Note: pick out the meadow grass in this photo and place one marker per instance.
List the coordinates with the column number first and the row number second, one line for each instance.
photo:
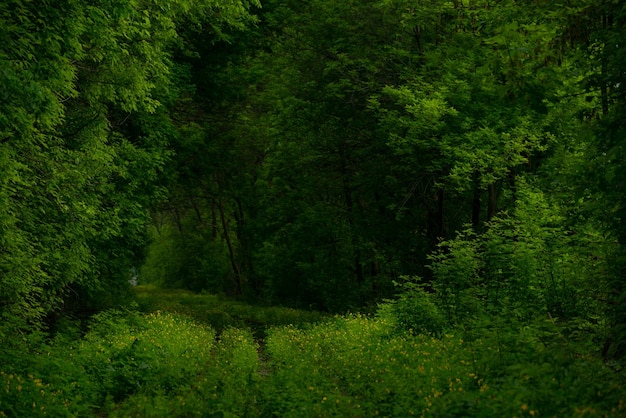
column 170, row 357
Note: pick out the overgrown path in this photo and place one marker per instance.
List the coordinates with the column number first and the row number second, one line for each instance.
column 221, row 313
column 188, row 355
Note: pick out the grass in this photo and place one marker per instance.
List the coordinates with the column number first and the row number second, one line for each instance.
column 219, row 312
column 176, row 353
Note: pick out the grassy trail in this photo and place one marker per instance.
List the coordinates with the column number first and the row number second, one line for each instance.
column 221, row 313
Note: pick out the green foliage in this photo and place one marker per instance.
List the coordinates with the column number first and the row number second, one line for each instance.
column 222, row 386
column 353, row 367
column 456, row 268
column 122, row 354
column 162, row 364
column 187, row 259
column 85, row 121
column 30, row 396
column 600, row 180
column 151, row 354
column 414, row 310
column 237, row 366
column 329, row 153
column 311, row 161
column 527, row 264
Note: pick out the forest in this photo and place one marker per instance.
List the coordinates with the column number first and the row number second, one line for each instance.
column 312, row 208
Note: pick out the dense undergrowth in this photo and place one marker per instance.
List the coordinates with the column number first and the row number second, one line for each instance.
column 174, row 353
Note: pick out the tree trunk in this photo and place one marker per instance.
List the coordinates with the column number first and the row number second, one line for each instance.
column 436, row 219
column 196, row 209
column 476, row 207
column 213, row 220
column 491, row 207
column 244, row 246
column 347, row 192
column 231, row 251
column 178, row 221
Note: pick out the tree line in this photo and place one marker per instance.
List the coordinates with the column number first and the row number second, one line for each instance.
column 314, row 153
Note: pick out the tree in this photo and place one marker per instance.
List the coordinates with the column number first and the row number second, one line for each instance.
column 83, row 132
column 605, row 88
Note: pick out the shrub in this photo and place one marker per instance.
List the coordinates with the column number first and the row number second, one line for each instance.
column 414, row 311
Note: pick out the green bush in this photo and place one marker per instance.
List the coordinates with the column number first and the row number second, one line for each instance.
column 414, row 311
column 41, row 377
column 226, row 386
column 529, row 263
column 456, row 267
column 29, row 396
